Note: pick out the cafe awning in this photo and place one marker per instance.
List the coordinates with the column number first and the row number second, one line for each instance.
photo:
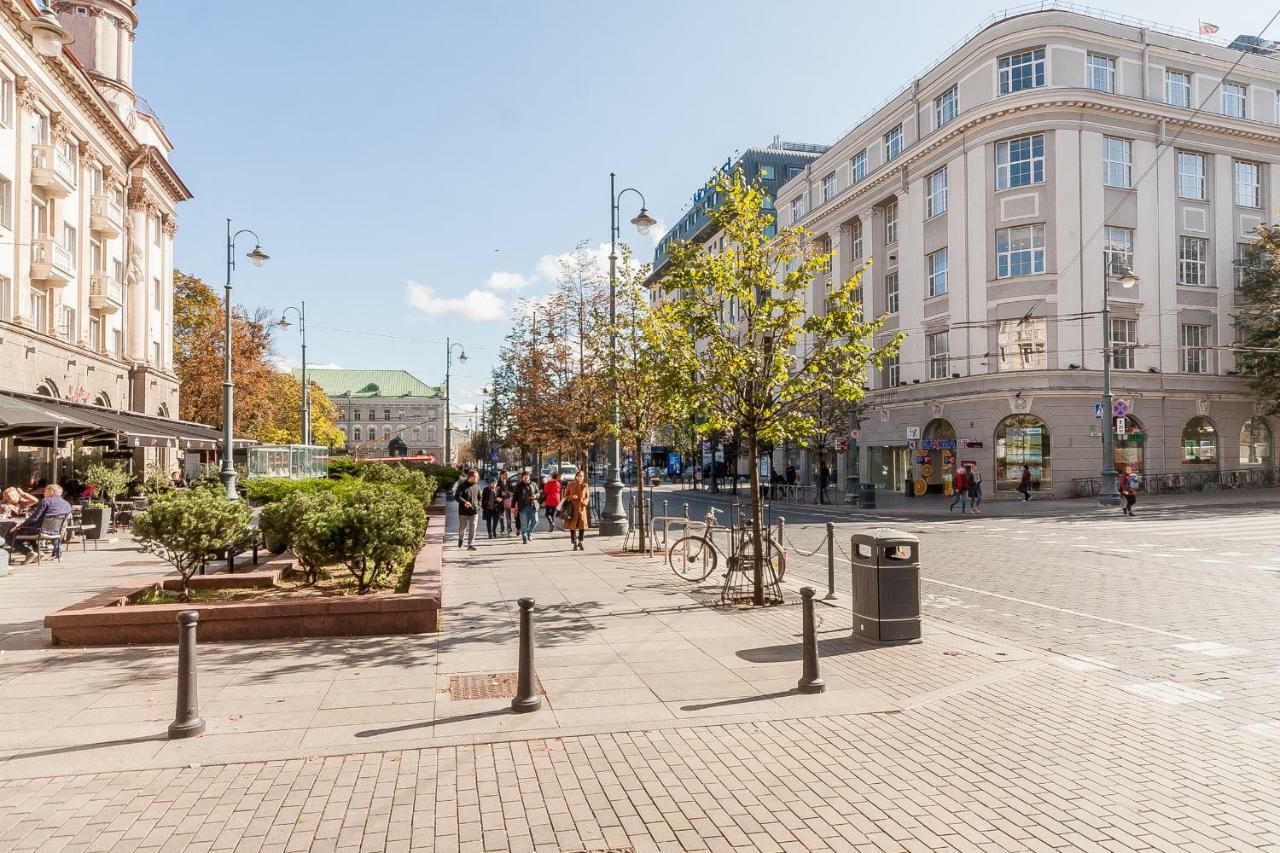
column 101, row 427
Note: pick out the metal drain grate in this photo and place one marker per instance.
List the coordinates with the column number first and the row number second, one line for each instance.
column 490, row 685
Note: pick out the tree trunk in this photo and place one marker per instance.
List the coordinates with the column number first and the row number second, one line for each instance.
column 757, row 541
column 640, row 507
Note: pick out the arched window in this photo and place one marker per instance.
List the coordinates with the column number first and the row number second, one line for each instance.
column 939, row 447
column 431, row 434
column 373, row 415
column 1200, row 443
column 386, row 432
column 357, row 433
column 1255, row 443
column 48, row 388
column 1023, row 440
column 163, row 411
column 102, row 400
column 355, row 415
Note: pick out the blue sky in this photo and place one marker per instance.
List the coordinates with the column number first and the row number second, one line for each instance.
column 394, row 156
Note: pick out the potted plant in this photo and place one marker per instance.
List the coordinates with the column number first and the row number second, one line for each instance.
column 108, row 484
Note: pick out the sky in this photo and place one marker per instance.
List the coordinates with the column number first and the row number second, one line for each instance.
column 412, row 168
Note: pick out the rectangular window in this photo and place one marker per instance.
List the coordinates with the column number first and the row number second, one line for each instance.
column 1022, row 344
column 6, row 298
column 1117, row 249
column 945, row 107
column 117, row 267
column 70, row 243
column 1100, row 73
column 1117, row 162
column 1177, row 88
column 1191, row 173
column 939, row 360
column 829, row 187
column 157, row 295
column 6, row 101
column 936, row 267
column 797, row 210
column 893, row 143
column 891, row 292
column 1234, row 100
column 857, row 238
column 891, row 222
column 39, row 218
column 1020, row 162
column 66, row 322
column 1195, row 348
column 859, row 165
column 1238, row 262
column 155, row 353
column 6, row 203
column 95, row 333
column 935, row 201
column 39, row 310
column 97, row 258
column 155, row 230
column 117, row 342
column 1193, row 261
column 1020, row 251
column 892, row 371
column 1124, row 342
column 1248, row 180
column 793, row 172
column 768, row 173
column 1020, row 71
column 386, row 414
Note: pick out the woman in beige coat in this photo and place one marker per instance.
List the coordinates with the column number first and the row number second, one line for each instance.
column 576, row 496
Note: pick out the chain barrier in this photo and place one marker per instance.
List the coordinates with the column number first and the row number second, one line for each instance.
column 802, row 553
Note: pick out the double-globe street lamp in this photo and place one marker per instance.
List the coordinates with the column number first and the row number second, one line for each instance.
column 283, row 325
column 613, row 521
column 449, row 344
column 1113, row 265
column 258, row 257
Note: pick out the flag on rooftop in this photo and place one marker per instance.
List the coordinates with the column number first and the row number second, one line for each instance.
column 1207, row 29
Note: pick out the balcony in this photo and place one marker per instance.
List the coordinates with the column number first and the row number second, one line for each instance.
column 53, row 170
column 51, row 263
column 105, row 293
column 106, row 217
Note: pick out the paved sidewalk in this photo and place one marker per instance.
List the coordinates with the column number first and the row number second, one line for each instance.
column 668, row 725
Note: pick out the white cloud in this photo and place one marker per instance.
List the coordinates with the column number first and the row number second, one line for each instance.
column 549, row 267
column 507, row 282
column 478, row 305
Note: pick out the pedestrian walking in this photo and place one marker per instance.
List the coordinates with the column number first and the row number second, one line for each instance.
column 824, row 482
column 975, row 487
column 551, row 499
column 1024, row 484
column 959, row 490
column 1129, row 489
column 467, row 494
column 505, row 486
column 491, row 507
column 576, row 497
column 525, row 496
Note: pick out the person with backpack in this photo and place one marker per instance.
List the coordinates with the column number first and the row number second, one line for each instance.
column 551, row 499
column 467, row 494
column 974, row 480
column 1129, row 489
column 960, row 490
column 525, row 496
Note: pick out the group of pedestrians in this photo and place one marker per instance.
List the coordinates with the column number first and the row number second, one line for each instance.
column 967, row 488
column 508, row 505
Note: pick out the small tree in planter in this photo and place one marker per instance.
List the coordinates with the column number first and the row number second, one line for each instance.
column 298, row 522
column 108, row 481
column 188, row 527
column 371, row 531
column 156, row 482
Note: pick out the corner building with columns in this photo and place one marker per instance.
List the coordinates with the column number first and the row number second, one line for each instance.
column 87, row 224
column 990, row 193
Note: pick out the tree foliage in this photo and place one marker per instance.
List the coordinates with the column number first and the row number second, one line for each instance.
column 186, row 527
column 1258, row 318
column 109, row 481
column 744, row 349
column 373, row 531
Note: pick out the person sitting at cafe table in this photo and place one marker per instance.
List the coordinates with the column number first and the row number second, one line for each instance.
column 14, row 502
column 53, row 506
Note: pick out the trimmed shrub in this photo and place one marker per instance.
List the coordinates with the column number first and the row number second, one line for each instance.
column 374, row 531
column 188, row 526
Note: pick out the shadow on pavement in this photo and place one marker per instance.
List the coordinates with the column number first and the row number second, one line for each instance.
column 408, row 727
column 792, row 651
column 742, row 700
column 60, row 750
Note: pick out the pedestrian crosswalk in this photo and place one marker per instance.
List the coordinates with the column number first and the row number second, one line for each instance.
column 1238, row 533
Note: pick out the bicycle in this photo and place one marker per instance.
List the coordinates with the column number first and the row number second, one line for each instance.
column 694, row 556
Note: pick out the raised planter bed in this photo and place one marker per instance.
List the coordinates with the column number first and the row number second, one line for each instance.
column 106, row 620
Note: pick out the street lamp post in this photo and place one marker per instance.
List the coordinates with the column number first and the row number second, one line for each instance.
column 448, row 367
column 613, row 521
column 258, row 257
column 305, row 423
column 1108, row 494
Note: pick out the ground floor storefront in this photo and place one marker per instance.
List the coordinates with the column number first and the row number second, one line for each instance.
column 1053, row 437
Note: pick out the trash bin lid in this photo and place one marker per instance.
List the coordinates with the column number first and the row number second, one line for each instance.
column 893, row 536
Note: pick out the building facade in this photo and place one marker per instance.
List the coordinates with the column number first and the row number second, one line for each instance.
column 992, row 191
column 378, row 407
column 87, row 218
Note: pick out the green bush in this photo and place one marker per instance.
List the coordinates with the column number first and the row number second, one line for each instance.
column 188, row 526
column 374, row 531
column 109, row 482
column 156, row 481
column 288, row 522
column 344, row 466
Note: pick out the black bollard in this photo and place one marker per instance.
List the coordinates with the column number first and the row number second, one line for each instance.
column 831, row 561
column 811, row 681
column 527, row 698
column 188, row 722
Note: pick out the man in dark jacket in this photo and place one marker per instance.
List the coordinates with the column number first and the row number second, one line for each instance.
column 53, row 506
column 467, row 494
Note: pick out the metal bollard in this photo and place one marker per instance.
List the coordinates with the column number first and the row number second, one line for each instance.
column 188, row 722
column 527, row 698
column 810, row 681
column 782, row 529
column 664, row 507
column 831, row 560
column 686, row 515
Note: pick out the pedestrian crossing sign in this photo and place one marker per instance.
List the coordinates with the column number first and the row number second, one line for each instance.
column 1097, row 411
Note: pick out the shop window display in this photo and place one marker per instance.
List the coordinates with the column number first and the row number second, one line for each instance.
column 1255, row 444
column 1023, row 440
column 1200, row 443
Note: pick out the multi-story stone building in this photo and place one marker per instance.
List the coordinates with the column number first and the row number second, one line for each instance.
column 87, row 199
column 379, row 407
column 990, row 191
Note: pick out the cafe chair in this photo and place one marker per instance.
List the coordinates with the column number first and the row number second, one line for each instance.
column 52, row 529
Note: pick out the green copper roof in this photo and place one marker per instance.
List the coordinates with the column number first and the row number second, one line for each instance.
column 368, row 383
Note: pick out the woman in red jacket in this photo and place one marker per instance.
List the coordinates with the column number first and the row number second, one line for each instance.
column 551, row 499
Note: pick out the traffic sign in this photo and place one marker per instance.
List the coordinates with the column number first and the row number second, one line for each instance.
column 855, row 434
column 1097, row 411
column 1120, row 408
column 1120, row 426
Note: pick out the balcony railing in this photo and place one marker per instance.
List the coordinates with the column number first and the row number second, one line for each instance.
column 105, row 293
column 106, row 216
column 51, row 261
column 52, row 169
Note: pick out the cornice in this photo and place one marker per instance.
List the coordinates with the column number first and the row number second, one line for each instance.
column 899, row 173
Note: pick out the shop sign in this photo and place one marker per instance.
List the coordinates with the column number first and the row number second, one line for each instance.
column 842, row 444
column 913, row 433
column 972, row 444
column 920, row 460
column 913, row 444
column 972, row 462
column 939, row 444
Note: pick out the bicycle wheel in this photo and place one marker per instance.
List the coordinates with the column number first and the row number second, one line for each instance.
column 692, row 558
column 774, row 558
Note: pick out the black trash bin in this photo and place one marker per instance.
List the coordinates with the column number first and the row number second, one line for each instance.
column 909, row 487
column 886, row 586
column 867, row 496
